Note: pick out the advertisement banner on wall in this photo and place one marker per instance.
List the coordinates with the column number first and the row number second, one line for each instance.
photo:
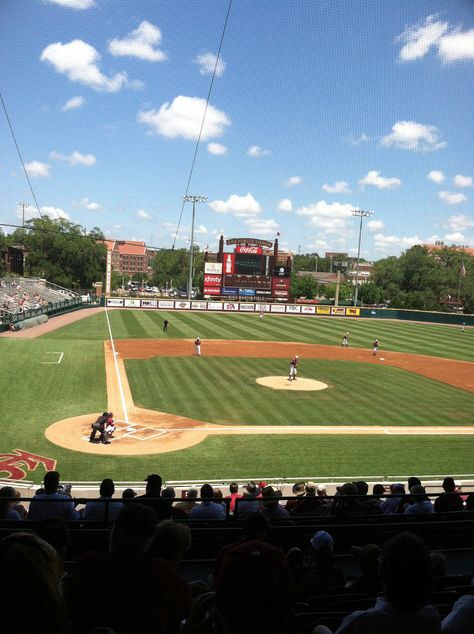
column 280, row 294
column 338, row 310
column 308, row 310
column 182, row 305
column 291, row 308
column 323, row 310
column 215, row 306
column 198, row 305
column 165, row 303
column 114, row 302
column 230, row 290
column 278, row 308
column 263, row 291
column 211, row 290
column 229, row 263
column 281, row 284
column 247, row 292
column 249, row 308
column 230, row 306
column 132, row 303
column 212, row 280
column 282, row 271
column 249, row 250
column 213, row 268
column 262, row 308
column 149, row 303
column 353, row 312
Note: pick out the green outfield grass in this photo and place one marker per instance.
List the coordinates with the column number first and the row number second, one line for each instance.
column 34, row 394
column 223, row 390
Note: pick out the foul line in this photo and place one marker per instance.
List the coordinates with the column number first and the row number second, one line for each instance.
column 122, row 395
column 61, row 355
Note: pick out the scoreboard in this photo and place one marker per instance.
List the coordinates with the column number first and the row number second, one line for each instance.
column 248, row 264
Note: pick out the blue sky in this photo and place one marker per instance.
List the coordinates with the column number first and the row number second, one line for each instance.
column 317, row 107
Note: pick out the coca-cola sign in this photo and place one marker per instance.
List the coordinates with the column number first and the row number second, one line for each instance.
column 249, row 250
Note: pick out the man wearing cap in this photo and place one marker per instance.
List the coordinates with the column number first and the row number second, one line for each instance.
column 152, row 497
column 393, row 502
column 298, row 490
column 346, row 501
column 197, row 345
column 310, row 503
column 293, row 370
column 319, row 571
column 421, row 502
column 249, row 503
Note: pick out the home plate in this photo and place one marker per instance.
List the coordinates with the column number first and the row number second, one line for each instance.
column 282, row 383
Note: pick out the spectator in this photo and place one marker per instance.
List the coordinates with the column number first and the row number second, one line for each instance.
column 128, row 494
column 405, row 574
column 157, row 600
column 29, row 586
column 346, row 502
column 421, row 503
column 298, row 490
column 393, row 503
column 470, row 502
column 208, row 510
column 449, row 500
column 368, row 503
column 321, row 490
column 103, row 509
column 54, row 530
column 51, row 503
column 368, row 559
column 189, row 502
column 7, row 512
column 234, row 494
column 176, row 513
column 250, row 502
column 271, row 507
column 461, row 618
column 258, row 572
column 152, row 497
column 171, row 541
column 439, row 564
column 310, row 503
column 318, row 572
column 19, row 507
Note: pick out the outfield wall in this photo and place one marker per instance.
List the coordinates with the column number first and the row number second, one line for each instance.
column 290, row 309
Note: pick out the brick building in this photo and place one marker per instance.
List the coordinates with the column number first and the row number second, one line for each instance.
column 130, row 256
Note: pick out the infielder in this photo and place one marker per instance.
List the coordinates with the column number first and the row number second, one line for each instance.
column 197, row 345
column 293, row 370
column 375, row 347
column 345, row 340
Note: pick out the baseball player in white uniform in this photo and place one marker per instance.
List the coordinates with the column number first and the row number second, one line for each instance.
column 197, row 345
column 293, row 370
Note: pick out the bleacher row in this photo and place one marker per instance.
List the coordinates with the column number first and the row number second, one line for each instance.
column 22, row 295
column 250, row 570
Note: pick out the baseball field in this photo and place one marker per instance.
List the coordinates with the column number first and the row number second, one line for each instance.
column 231, row 413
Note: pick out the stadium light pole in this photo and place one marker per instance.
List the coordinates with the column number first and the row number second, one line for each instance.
column 192, row 199
column 359, row 213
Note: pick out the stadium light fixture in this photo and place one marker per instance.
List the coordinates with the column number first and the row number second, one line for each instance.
column 359, row 213
column 192, row 199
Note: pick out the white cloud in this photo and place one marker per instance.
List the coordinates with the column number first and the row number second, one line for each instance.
column 394, row 243
column 201, row 230
column 455, row 238
column 436, row 176
column 55, row 213
column 207, row 63
column 183, row 118
column 285, row 205
column 143, row 215
column 381, row 182
column 330, row 217
column 375, row 225
column 85, row 203
column 73, row 103
column 75, row 158
column 452, row 198
column 457, row 46
column 460, row 223
column 362, row 138
column 239, row 206
column 293, row 181
column 256, row 151
column 420, row 38
column 36, row 169
column 217, row 148
column 339, row 187
column 74, row 4
column 80, row 62
column 409, row 135
column 139, row 43
column 260, row 227
column 463, row 181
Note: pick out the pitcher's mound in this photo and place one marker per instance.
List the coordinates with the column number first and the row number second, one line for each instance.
column 282, row 383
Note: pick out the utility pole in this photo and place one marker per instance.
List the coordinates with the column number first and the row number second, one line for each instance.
column 194, row 200
column 23, row 206
column 359, row 213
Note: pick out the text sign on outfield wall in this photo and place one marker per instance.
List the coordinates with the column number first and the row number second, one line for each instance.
column 212, row 280
column 353, row 312
column 149, row 303
column 291, row 308
column 165, row 303
column 308, row 310
column 114, row 302
column 231, row 306
column 212, row 290
column 199, row 305
column 213, row 268
column 338, row 310
column 249, row 308
column 278, row 308
column 256, row 241
column 249, row 250
column 132, row 303
column 227, row 290
column 247, row 292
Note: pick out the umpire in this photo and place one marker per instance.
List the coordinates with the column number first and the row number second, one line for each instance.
column 99, row 426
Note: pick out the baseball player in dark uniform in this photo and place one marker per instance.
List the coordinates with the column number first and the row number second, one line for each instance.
column 293, row 370
column 375, row 347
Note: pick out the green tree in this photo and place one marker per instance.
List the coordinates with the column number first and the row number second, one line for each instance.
column 303, row 286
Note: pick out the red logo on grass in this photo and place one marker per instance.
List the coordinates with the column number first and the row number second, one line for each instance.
column 18, row 462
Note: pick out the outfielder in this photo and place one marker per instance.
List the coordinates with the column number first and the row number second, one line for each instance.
column 197, row 345
column 375, row 347
column 293, row 370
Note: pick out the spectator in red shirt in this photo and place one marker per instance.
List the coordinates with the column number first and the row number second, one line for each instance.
column 234, row 494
